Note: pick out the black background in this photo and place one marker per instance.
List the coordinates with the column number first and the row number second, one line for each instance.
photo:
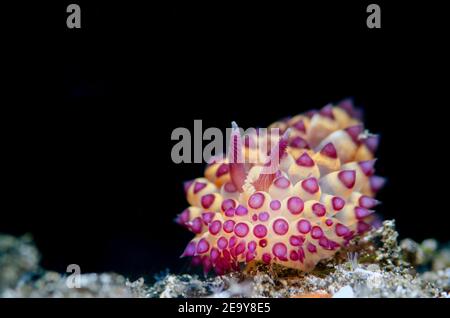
column 86, row 132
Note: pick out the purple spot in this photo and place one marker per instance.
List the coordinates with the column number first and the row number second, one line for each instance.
column 295, row 205
column 227, row 204
column 282, row 183
column 198, row 186
column 295, row 240
column 230, row 212
column 299, row 142
column 264, row 216
column 275, row 205
column 208, row 217
column 190, row 249
column 260, row 231
column 222, row 243
column 256, row 200
column 266, row 258
column 196, row 225
column 338, row 203
column 241, row 210
column 362, row 213
column 280, row 251
column 305, row 161
column 303, row 226
column 311, row 248
column 252, row 246
column 280, row 226
column 341, row 230
column 310, row 185
column 319, row 209
column 223, row 169
column 228, row 226
column 329, row 151
column 207, row 200
column 202, row 246
column 215, row 227
column 241, row 229
column 348, row 178
column 316, row 232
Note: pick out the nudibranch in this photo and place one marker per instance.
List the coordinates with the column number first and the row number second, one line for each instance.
column 318, row 196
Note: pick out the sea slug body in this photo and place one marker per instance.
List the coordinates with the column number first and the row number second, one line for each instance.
column 320, row 195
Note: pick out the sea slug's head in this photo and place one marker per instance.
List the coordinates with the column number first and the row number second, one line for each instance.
column 292, row 198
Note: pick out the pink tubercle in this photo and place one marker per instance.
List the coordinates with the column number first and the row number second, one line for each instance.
column 338, row 203
column 329, row 222
column 230, row 187
column 215, row 227
column 190, row 249
column 230, row 212
column 222, row 243
column 264, row 216
column 183, row 217
column 266, row 258
column 347, row 178
column 223, row 169
column 299, row 142
column 207, row 200
column 372, row 142
column 214, row 254
column 361, row 213
column 232, row 241
column 187, row 185
column 254, row 217
column 327, row 111
column 354, row 132
column 240, row 248
column 280, row 250
column 316, row 232
column 319, row 209
column 241, row 210
column 202, row 246
column 252, row 246
column 228, row 226
column 295, row 205
column 196, row 225
column 329, row 151
column 296, row 240
column 341, row 230
column 304, row 226
column 280, row 226
column 363, row 227
column 376, row 183
column 260, row 231
column 367, row 167
column 241, row 229
column 208, row 217
column 301, row 254
column 249, row 256
column 275, row 205
column 311, row 248
column 300, row 126
column 256, row 200
column 310, row 185
column 367, row 202
column 305, row 161
column 282, row 183
column 198, row 186
column 293, row 255
column 227, row 204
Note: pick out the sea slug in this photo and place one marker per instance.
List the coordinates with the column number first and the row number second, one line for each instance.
column 319, row 196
